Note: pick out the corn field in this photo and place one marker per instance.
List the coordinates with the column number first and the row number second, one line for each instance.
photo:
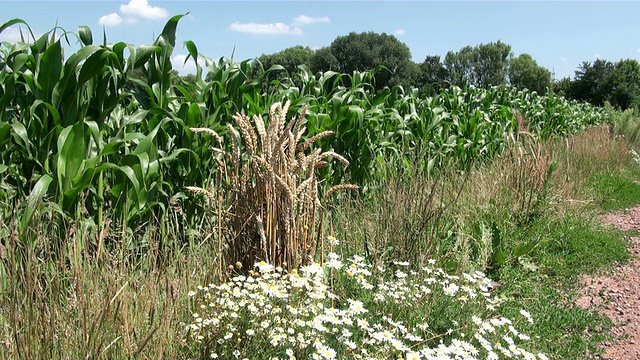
column 103, row 134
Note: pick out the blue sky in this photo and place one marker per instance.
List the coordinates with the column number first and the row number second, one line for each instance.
column 559, row 35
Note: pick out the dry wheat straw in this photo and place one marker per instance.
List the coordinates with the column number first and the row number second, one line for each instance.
column 207, row 131
column 272, row 208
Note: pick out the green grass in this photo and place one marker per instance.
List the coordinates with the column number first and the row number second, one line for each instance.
column 569, row 246
column 619, row 191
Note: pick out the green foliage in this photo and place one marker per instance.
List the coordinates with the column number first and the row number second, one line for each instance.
column 289, row 59
column 94, row 132
column 525, row 73
column 626, row 84
column 460, row 66
column 491, row 63
column 367, row 51
column 484, row 65
column 324, row 60
column 561, row 87
column 603, row 81
column 627, row 124
column 592, row 82
column 551, row 114
column 95, row 152
column 432, row 74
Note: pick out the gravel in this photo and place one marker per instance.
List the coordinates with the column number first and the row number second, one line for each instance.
column 617, row 295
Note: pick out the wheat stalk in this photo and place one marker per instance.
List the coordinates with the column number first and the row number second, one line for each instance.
column 273, row 211
column 207, row 131
column 341, row 187
column 303, row 146
column 200, row 190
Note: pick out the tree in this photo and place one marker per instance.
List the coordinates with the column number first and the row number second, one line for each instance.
column 484, row 65
column 603, row 81
column 432, row 73
column 460, row 66
column 190, row 79
column 492, row 63
column 562, row 87
column 366, row 51
column 625, row 84
column 525, row 73
column 592, row 82
column 323, row 60
column 289, row 58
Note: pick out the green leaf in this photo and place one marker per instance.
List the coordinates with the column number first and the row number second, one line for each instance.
column 40, row 45
column 118, row 50
column 68, row 84
column 50, row 69
column 71, row 153
column 93, row 66
column 499, row 258
column 52, row 110
column 33, row 201
column 5, row 129
column 193, row 51
column 126, row 170
column 142, row 54
column 112, row 147
column 16, row 21
column 85, row 35
column 194, row 114
column 18, row 62
column 20, row 135
column 169, row 31
column 525, row 248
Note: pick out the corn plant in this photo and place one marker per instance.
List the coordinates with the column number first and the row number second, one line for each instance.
column 72, row 130
column 108, row 126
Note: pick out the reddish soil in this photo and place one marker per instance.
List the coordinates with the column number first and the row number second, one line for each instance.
column 617, row 295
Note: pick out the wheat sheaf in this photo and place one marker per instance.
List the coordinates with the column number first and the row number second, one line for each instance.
column 267, row 192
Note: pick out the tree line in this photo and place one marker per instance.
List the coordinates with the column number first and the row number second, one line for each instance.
column 483, row 65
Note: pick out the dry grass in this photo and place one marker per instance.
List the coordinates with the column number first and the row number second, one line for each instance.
column 583, row 156
column 450, row 216
column 67, row 304
column 556, row 171
column 268, row 201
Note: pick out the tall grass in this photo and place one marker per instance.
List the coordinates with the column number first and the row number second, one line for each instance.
column 100, row 240
column 465, row 219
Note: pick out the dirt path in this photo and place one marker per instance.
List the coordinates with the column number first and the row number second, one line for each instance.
column 618, row 295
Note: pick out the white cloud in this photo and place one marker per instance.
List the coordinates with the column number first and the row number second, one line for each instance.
column 112, row 19
column 399, row 32
column 268, row 29
column 142, row 9
column 132, row 12
column 638, row 51
column 563, row 58
column 306, row 20
column 177, row 62
column 12, row 35
column 597, row 56
column 278, row 28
